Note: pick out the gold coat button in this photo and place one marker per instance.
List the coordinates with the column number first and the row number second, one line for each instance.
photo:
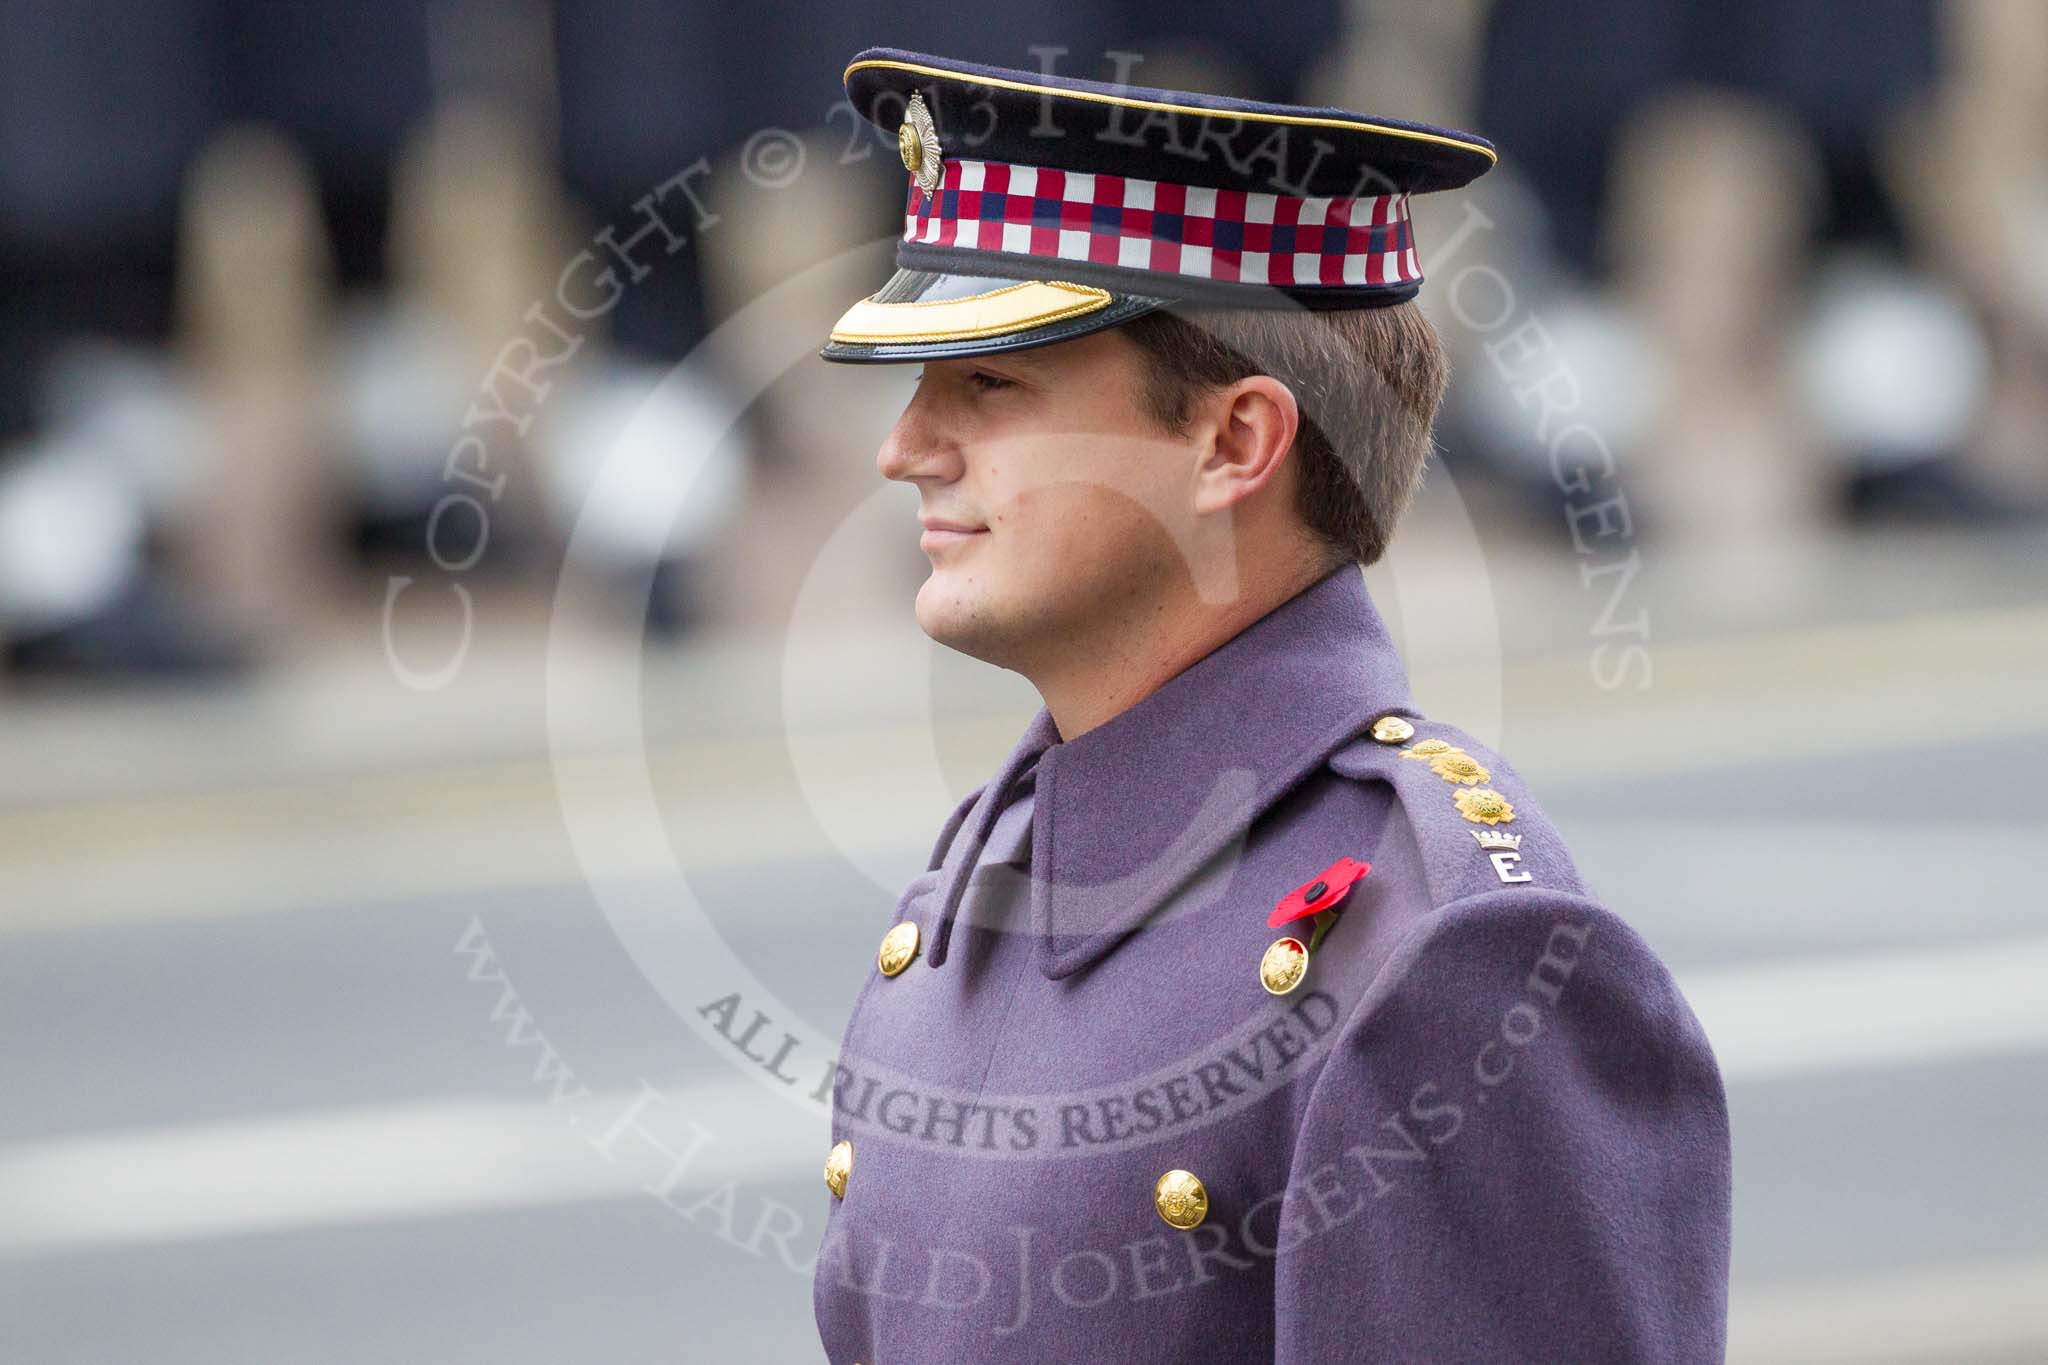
column 1284, row 965
column 1392, row 730
column 838, row 1165
column 1181, row 1199
column 899, row 946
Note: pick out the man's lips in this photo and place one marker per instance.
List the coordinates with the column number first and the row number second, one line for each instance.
column 938, row 531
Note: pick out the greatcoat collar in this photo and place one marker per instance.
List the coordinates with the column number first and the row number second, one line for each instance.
column 1127, row 813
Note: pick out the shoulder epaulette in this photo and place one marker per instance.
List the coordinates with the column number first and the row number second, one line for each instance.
column 1475, row 823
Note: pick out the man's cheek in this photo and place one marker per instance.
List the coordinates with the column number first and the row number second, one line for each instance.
column 1020, row 507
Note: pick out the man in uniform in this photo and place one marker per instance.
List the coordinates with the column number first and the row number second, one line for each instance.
column 1246, row 1013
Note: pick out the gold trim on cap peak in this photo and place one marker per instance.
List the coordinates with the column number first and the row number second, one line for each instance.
column 997, row 312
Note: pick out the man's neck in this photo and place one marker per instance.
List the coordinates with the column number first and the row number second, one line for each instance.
column 1093, row 684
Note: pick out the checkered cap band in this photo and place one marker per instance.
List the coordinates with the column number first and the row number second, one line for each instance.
column 1186, row 230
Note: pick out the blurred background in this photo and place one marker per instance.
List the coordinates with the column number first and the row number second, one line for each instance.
column 414, row 466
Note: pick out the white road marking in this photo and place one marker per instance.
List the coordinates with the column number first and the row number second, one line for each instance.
column 417, row 1160
column 1899, row 1007
column 1769, row 1022
column 1934, row 1316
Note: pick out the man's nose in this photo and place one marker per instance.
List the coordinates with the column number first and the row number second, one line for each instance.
column 917, row 447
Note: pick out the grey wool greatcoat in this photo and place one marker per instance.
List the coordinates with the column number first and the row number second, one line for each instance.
column 1078, row 1123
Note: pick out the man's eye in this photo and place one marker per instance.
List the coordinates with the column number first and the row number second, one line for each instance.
column 986, row 382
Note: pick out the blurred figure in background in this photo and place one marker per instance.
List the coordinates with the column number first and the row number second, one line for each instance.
column 90, row 187
column 1734, row 252
column 171, row 272
column 251, row 301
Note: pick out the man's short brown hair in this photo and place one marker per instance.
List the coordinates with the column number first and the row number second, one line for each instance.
column 1368, row 381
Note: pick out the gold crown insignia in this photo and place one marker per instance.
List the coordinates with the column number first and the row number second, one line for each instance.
column 1496, row 838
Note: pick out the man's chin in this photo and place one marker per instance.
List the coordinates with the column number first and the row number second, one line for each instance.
column 944, row 605
column 958, row 615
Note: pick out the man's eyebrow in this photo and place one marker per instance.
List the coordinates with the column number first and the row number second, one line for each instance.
column 1027, row 359
column 1023, row 363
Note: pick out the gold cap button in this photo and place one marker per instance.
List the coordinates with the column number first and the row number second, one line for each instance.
column 908, row 147
column 1284, row 965
column 1181, row 1200
column 1392, row 730
column 838, row 1165
column 899, row 946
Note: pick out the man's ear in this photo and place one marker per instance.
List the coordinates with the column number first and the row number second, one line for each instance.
column 1254, row 420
